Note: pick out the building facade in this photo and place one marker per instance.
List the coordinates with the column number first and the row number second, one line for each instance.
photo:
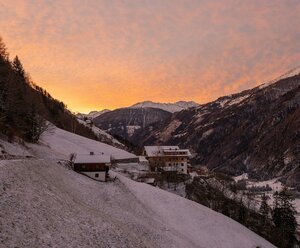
column 167, row 158
column 95, row 166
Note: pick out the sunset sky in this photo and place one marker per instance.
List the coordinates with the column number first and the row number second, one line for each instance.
column 95, row 54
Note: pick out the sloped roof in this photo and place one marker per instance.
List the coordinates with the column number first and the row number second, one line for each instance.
column 154, row 151
column 91, row 159
column 142, row 159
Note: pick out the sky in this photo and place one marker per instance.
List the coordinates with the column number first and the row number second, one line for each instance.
column 96, row 54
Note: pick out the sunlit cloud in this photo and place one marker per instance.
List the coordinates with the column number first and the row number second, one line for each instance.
column 107, row 54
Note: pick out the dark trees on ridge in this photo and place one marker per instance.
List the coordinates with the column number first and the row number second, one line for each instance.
column 25, row 107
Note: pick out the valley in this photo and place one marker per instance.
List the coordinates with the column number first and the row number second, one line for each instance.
column 47, row 204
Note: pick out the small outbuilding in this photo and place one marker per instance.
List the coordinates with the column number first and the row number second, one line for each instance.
column 95, row 166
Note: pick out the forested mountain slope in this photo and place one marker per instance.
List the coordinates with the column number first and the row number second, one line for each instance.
column 256, row 131
column 25, row 107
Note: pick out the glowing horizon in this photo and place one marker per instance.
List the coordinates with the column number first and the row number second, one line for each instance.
column 111, row 54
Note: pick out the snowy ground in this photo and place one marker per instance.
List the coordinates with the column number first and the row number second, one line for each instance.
column 99, row 132
column 275, row 184
column 132, row 170
column 44, row 204
column 57, row 143
column 178, row 189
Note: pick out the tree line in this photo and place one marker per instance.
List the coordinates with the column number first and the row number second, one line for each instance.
column 276, row 223
column 25, row 107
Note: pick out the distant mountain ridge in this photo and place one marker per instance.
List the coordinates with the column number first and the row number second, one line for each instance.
column 125, row 122
column 91, row 115
column 170, row 107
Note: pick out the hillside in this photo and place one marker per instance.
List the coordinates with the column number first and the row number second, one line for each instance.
column 256, row 131
column 126, row 122
column 25, row 107
column 58, row 144
column 45, row 204
column 102, row 136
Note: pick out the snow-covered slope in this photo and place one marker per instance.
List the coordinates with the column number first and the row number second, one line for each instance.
column 46, row 205
column 170, row 107
column 290, row 73
column 58, row 143
column 102, row 135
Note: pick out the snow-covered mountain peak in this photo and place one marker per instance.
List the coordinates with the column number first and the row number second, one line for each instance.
column 170, row 107
column 92, row 114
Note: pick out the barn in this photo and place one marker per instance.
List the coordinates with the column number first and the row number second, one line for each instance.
column 95, row 166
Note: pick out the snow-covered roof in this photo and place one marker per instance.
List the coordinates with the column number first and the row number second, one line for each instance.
column 142, row 159
column 149, row 180
column 154, row 151
column 91, row 159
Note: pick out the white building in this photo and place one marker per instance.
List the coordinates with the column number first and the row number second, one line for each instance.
column 167, row 158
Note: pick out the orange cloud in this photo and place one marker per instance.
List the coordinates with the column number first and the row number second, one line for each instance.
column 108, row 54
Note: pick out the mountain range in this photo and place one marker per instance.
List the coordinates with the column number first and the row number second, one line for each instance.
column 125, row 122
column 91, row 115
column 256, row 131
column 169, row 107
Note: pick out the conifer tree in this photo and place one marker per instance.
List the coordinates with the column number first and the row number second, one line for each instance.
column 3, row 51
column 264, row 209
column 36, row 125
column 18, row 68
column 284, row 215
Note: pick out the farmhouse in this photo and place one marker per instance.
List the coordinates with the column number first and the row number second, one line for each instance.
column 95, row 166
column 167, row 158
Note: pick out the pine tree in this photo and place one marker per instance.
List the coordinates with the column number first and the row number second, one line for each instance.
column 36, row 125
column 264, row 209
column 284, row 215
column 242, row 213
column 3, row 51
column 18, row 68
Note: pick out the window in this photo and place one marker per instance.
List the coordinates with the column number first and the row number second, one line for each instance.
column 97, row 175
column 181, row 169
column 182, row 164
